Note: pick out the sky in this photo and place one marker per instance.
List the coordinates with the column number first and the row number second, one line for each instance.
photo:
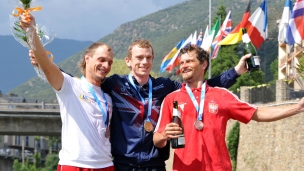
column 84, row 19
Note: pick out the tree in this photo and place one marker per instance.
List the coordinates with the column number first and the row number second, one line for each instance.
column 300, row 66
column 274, row 70
column 17, row 166
column 233, row 143
column 51, row 162
column 221, row 12
column 53, row 141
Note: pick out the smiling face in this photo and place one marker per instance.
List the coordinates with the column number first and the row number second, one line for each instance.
column 193, row 64
column 98, row 64
column 190, row 67
column 140, row 62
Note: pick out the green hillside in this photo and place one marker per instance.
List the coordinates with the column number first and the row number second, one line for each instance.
column 165, row 29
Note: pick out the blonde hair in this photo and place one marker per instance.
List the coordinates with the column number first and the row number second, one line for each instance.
column 142, row 43
column 91, row 51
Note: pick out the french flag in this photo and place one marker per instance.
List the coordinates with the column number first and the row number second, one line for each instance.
column 223, row 32
column 295, row 31
column 257, row 25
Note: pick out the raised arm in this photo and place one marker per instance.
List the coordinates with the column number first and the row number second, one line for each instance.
column 51, row 71
column 34, row 62
column 228, row 78
column 269, row 114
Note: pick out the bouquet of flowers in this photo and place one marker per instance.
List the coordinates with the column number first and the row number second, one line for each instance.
column 25, row 37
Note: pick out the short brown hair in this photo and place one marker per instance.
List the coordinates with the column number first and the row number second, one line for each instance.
column 142, row 43
column 90, row 51
column 201, row 54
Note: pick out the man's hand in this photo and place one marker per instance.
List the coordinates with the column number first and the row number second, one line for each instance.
column 26, row 20
column 172, row 130
column 241, row 68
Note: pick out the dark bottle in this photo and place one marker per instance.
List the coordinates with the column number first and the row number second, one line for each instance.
column 180, row 141
column 252, row 63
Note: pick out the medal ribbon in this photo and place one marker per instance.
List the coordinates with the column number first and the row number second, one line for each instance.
column 141, row 98
column 200, row 108
column 104, row 114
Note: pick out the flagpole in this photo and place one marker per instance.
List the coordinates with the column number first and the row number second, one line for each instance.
column 209, row 73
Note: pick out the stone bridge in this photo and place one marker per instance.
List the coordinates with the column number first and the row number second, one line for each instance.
column 27, row 120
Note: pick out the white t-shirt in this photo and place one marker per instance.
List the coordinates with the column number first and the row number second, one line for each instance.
column 83, row 129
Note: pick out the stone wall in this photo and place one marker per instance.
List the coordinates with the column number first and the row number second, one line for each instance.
column 271, row 146
column 259, row 94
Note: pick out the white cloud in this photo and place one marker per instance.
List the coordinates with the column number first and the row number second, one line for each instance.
column 85, row 19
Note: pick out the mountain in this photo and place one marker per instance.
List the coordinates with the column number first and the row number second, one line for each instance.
column 15, row 67
column 167, row 27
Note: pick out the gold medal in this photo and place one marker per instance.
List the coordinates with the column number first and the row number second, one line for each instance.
column 198, row 125
column 107, row 134
column 148, row 126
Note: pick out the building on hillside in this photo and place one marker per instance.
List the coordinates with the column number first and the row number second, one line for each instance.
column 12, row 147
column 288, row 60
column 287, row 63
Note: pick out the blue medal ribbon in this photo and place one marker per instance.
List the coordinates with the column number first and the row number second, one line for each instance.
column 200, row 108
column 105, row 114
column 142, row 99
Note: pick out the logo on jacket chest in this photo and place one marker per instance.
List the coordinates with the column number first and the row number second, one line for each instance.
column 125, row 90
column 85, row 98
column 213, row 107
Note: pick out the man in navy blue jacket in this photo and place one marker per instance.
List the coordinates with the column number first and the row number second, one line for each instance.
column 136, row 99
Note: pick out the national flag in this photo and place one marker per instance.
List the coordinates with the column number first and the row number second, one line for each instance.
column 223, row 32
column 236, row 34
column 174, row 60
column 257, row 25
column 208, row 41
column 200, row 38
column 284, row 21
column 168, row 57
column 206, row 33
column 194, row 38
column 295, row 31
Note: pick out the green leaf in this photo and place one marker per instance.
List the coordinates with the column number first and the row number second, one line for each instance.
column 26, row 3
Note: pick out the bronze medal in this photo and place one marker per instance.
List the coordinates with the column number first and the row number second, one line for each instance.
column 198, row 125
column 107, row 134
column 148, row 126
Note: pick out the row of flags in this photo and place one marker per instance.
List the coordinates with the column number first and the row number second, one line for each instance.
column 291, row 28
column 256, row 26
column 291, row 31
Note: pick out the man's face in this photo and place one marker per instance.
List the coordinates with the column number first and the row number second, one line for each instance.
column 99, row 64
column 190, row 67
column 141, row 61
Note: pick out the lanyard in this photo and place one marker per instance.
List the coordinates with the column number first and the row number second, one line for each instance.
column 200, row 108
column 141, row 98
column 104, row 114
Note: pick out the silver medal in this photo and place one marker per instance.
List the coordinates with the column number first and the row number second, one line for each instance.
column 198, row 125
